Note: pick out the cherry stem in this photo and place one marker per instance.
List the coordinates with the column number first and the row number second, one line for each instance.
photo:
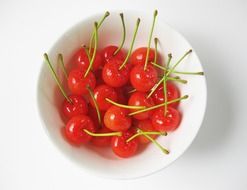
column 179, row 61
column 56, row 77
column 147, row 133
column 132, row 44
column 177, row 80
column 95, row 49
column 61, row 61
column 124, row 106
column 177, row 72
column 163, row 149
column 124, row 35
column 150, row 38
column 100, row 23
column 95, row 103
column 131, row 91
column 102, row 134
column 158, row 105
column 164, row 83
column 156, row 49
column 169, row 60
column 87, row 52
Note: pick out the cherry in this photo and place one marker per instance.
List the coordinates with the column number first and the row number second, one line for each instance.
column 117, row 119
column 74, row 129
column 140, row 99
column 81, row 59
column 172, row 93
column 122, row 148
column 77, row 83
column 168, row 122
column 138, row 57
column 113, row 76
column 77, row 106
column 145, row 125
column 143, row 80
column 122, row 95
column 103, row 140
column 108, row 54
column 101, row 93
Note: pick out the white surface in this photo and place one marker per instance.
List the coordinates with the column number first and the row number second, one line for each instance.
column 217, row 158
column 99, row 161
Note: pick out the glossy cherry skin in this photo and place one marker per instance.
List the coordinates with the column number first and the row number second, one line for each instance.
column 108, row 54
column 78, row 84
column 74, row 129
column 77, row 106
column 142, row 80
column 117, row 119
column 140, row 99
column 80, row 59
column 145, row 126
column 101, row 93
column 172, row 93
column 122, row 148
column 170, row 122
column 113, row 76
column 102, row 141
column 138, row 57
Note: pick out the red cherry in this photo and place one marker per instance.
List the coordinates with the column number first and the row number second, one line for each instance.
column 74, row 129
column 138, row 57
column 140, row 99
column 80, row 59
column 77, row 106
column 122, row 95
column 117, row 119
column 163, row 123
column 78, row 84
column 172, row 93
column 102, row 141
column 113, row 76
column 122, row 148
column 145, row 125
column 108, row 54
column 142, row 80
column 101, row 93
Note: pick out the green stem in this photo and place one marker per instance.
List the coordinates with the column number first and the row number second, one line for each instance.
column 177, row 80
column 102, row 134
column 95, row 103
column 100, row 23
column 169, row 60
column 147, row 133
column 164, row 150
column 156, row 49
column 61, row 61
column 95, row 49
column 132, row 44
column 87, row 52
column 124, row 35
column 158, row 106
column 56, row 77
column 124, row 106
column 150, row 38
column 179, row 61
column 131, row 91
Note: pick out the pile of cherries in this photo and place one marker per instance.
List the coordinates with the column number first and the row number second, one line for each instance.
column 119, row 99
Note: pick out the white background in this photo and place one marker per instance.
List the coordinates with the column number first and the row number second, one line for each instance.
column 217, row 159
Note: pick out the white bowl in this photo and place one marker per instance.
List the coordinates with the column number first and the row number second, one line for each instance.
column 104, row 163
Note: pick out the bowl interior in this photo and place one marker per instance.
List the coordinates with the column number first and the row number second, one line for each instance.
column 103, row 162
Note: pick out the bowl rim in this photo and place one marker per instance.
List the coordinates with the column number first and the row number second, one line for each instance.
column 95, row 172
